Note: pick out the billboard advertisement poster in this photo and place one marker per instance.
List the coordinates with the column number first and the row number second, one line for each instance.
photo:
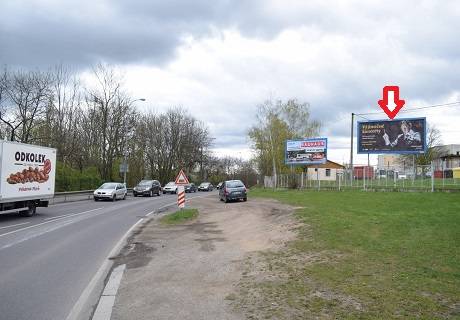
column 400, row 136
column 306, row 151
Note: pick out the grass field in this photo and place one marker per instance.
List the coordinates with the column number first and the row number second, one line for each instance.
column 366, row 255
column 179, row 216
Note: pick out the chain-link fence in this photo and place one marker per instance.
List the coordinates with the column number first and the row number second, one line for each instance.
column 420, row 178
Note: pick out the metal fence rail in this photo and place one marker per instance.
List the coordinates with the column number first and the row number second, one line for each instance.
column 68, row 196
column 420, row 178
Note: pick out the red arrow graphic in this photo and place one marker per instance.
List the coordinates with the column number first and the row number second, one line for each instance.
column 391, row 103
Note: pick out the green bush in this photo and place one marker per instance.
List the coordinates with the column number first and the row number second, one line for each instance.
column 69, row 179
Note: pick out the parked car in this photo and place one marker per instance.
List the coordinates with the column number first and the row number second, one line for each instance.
column 191, row 187
column 170, row 187
column 147, row 188
column 219, row 185
column 110, row 191
column 206, row 186
column 233, row 190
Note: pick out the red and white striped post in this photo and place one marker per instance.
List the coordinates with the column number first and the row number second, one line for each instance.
column 181, row 197
column 181, row 180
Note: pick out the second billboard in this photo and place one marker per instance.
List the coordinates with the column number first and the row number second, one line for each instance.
column 306, row 151
column 392, row 136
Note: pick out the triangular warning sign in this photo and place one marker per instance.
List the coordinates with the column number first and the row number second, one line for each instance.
column 181, row 178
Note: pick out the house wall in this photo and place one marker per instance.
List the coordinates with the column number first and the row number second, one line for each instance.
column 311, row 174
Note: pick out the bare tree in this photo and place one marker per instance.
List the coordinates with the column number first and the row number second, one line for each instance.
column 26, row 95
column 110, row 118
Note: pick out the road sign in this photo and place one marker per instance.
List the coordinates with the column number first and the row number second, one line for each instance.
column 181, row 197
column 181, row 179
column 124, row 167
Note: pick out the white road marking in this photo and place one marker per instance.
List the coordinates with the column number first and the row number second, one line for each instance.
column 40, row 224
column 14, row 225
column 68, row 215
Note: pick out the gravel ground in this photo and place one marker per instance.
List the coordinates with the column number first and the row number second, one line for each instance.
column 191, row 271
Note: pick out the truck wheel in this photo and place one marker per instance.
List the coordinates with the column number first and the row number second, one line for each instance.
column 31, row 210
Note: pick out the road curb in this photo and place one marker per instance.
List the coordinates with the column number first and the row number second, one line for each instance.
column 107, row 300
column 83, row 308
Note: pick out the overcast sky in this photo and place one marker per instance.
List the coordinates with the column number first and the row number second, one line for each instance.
column 222, row 58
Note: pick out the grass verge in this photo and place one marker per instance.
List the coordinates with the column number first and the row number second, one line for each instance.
column 361, row 255
column 179, row 216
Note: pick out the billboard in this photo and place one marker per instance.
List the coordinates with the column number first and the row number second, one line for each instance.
column 392, row 136
column 306, row 151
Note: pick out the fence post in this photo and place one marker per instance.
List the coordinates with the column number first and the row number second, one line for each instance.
column 317, row 177
column 443, row 170
column 432, row 177
column 364, row 179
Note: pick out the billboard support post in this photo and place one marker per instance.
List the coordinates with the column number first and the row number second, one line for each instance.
column 351, row 148
column 364, row 179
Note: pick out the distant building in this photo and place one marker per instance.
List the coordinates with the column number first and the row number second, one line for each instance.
column 388, row 162
column 449, row 157
column 324, row 172
column 363, row 172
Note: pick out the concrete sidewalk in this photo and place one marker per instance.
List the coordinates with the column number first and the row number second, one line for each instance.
column 190, row 271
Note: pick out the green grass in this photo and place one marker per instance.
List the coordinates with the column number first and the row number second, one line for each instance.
column 371, row 255
column 179, row 216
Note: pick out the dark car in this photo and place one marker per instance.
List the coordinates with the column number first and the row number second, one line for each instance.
column 206, row 186
column 191, row 187
column 147, row 188
column 233, row 190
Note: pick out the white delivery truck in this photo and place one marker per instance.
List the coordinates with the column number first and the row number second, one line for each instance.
column 27, row 174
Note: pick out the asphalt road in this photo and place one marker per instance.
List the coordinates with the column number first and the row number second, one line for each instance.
column 46, row 261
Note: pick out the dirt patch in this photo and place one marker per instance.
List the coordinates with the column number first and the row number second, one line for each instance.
column 193, row 271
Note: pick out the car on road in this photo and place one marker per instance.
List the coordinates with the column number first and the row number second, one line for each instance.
column 110, row 191
column 189, row 188
column 205, row 186
column 233, row 190
column 170, row 187
column 147, row 188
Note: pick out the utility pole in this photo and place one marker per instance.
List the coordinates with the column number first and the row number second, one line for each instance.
column 351, row 148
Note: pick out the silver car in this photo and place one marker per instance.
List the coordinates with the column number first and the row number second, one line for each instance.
column 170, row 187
column 110, row 191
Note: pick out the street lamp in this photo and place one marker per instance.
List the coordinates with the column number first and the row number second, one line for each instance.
column 125, row 154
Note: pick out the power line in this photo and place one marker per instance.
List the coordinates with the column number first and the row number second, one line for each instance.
column 451, row 104
column 358, row 115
